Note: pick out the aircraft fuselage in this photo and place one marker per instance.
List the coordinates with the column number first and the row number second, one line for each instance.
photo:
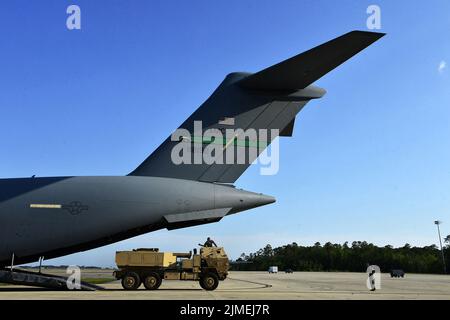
column 51, row 217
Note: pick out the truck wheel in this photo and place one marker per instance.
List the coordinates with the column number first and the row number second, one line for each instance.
column 131, row 281
column 209, row 281
column 152, row 281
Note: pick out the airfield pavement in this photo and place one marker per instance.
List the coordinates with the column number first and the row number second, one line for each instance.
column 256, row 286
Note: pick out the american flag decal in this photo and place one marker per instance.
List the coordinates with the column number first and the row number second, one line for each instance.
column 227, row 121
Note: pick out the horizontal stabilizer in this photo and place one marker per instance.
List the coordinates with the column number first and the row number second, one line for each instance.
column 302, row 70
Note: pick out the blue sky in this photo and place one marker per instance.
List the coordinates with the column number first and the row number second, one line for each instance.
column 370, row 161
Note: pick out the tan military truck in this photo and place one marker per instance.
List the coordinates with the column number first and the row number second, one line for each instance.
column 149, row 266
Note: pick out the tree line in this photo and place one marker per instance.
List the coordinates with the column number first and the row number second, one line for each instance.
column 354, row 257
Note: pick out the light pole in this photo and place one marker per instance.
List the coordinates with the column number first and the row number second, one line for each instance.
column 437, row 223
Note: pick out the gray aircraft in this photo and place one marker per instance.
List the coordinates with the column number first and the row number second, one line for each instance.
column 52, row 217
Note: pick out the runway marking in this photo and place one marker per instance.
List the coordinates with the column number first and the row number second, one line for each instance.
column 265, row 285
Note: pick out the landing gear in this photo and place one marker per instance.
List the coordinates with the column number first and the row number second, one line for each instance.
column 12, row 261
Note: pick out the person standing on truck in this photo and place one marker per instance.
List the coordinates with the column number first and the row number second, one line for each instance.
column 209, row 243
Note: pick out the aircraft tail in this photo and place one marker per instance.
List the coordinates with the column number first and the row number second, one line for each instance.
column 266, row 102
column 304, row 69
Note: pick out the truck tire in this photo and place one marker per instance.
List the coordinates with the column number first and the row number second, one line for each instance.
column 152, row 281
column 131, row 281
column 209, row 281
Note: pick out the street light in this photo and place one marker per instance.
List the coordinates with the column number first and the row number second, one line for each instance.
column 437, row 223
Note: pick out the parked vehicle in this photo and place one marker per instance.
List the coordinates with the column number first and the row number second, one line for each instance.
column 273, row 269
column 149, row 266
column 397, row 273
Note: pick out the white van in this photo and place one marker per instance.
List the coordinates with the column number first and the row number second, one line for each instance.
column 273, row 269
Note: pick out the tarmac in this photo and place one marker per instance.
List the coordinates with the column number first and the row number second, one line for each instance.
column 260, row 286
